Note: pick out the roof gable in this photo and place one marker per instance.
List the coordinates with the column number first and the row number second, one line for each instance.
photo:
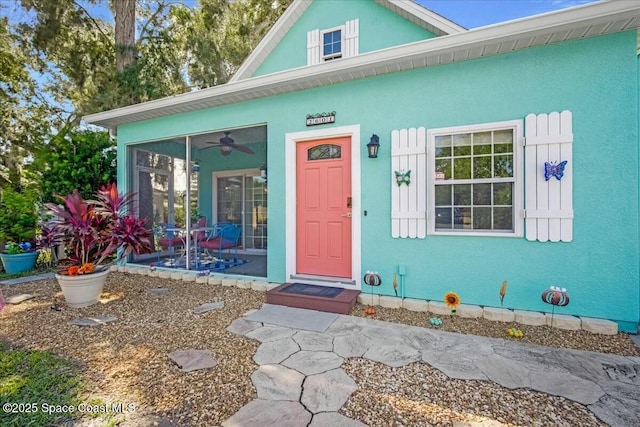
column 383, row 24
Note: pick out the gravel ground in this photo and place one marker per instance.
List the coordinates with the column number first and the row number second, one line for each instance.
column 126, row 361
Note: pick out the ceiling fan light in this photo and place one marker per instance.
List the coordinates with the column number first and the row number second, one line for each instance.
column 226, row 149
column 226, row 140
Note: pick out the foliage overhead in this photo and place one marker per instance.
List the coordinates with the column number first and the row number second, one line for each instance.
column 18, row 215
column 80, row 160
column 63, row 59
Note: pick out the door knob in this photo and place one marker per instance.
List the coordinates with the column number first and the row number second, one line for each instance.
column 348, row 214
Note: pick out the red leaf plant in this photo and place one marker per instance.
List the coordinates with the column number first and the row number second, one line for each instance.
column 94, row 231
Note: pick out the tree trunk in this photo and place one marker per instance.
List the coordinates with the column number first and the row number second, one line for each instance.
column 125, row 18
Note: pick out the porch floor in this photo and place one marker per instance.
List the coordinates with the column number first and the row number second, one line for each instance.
column 256, row 265
column 341, row 303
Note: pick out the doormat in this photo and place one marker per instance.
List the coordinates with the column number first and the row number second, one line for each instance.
column 311, row 290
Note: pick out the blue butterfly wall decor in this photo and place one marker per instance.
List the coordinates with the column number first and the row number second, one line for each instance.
column 554, row 169
column 403, row 178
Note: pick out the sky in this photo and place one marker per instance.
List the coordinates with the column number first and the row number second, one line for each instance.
column 468, row 13
column 478, row 13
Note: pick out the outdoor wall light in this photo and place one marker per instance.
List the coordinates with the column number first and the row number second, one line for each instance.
column 263, row 171
column 373, row 145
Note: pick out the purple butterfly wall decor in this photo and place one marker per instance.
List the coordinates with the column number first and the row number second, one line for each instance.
column 554, row 169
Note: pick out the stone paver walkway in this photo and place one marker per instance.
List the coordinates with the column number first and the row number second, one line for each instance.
column 300, row 381
column 27, row 279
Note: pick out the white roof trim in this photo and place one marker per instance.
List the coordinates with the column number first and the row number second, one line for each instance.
column 271, row 39
column 415, row 13
column 575, row 23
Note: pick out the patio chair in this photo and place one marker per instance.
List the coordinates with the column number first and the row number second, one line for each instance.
column 223, row 236
column 168, row 239
column 199, row 235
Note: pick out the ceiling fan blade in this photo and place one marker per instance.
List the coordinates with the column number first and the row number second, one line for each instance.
column 242, row 148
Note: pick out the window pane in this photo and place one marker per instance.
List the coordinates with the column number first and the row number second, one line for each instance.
column 462, row 168
column 482, row 167
column 331, row 43
column 443, row 195
column 503, row 136
column 503, row 148
column 324, row 151
column 482, row 143
column 443, row 146
column 462, row 218
column 502, row 219
column 444, row 166
column 255, row 214
column 482, row 195
column 468, row 158
column 462, row 144
column 443, row 218
column 462, row 194
column 503, row 141
column 502, row 194
column 482, row 218
column 503, row 166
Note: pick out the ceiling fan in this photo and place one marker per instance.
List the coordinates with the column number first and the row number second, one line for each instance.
column 227, row 145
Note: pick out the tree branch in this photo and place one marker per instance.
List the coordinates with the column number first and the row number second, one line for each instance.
column 95, row 23
column 145, row 27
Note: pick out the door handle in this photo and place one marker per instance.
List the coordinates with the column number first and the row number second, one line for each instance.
column 348, row 214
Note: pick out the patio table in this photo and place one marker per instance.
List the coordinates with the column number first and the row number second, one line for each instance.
column 195, row 232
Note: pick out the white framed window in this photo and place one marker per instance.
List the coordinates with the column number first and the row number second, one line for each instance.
column 475, row 184
column 332, row 42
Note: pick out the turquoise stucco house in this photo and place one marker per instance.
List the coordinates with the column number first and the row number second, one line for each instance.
column 507, row 152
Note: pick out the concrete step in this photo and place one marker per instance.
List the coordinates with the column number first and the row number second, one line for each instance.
column 341, row 303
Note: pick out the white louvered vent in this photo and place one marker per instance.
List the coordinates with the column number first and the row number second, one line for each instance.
column 549, row 200
column 409, row 202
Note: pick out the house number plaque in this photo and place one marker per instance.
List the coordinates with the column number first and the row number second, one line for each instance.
column 321, row 118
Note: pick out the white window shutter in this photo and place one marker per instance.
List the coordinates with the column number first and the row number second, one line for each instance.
column 313, row 47
column 351, row 35
column 548, row 203
column 409, row 202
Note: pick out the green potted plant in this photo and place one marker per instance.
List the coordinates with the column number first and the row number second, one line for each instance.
column 95, row 234
column 18, row 220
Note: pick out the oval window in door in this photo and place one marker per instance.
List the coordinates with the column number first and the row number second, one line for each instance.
column 324, row 151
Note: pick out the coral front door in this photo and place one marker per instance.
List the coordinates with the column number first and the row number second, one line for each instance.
column 323, row 212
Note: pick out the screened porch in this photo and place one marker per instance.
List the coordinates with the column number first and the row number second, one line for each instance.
column 205, row 197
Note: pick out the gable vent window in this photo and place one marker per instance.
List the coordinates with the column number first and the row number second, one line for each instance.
column 333, row 43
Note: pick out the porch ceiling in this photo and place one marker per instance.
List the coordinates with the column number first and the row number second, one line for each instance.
column 241, row 136
column 576, row 23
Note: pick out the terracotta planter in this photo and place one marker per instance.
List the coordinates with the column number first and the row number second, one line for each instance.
column 17, row 263
column 82, row 290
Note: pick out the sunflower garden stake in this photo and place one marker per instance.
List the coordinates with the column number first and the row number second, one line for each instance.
column 452, row 300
